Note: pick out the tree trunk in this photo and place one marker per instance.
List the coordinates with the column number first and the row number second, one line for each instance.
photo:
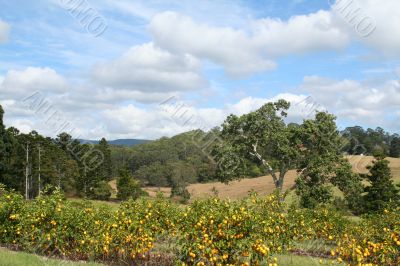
column 278, row 182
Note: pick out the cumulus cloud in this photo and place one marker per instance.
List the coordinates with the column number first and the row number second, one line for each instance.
column 231, row 48
column 172, row 65
column 147, row 68
column 4, row 31
column 21, row 83
column 250, row 50
column 255, row 48
column 174, row 116
column 386, row 36
column 361, row 102
column 300, row 34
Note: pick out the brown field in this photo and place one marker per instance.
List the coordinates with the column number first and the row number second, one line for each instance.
column 264, row 185
column 360, row 164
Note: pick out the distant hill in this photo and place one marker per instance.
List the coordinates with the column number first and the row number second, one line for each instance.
column 118, row 142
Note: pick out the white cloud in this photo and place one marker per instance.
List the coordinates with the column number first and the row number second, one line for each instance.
column 256, row 46
column 226, row 46
column 171, row 64
column 397, row 72
column 4, row 31
column 361, row 102
column 250, row 50
column 147, row 68
column 23, row 125
column 386, row 36
column 300, row 34
column 18, row 84
column 175, row 117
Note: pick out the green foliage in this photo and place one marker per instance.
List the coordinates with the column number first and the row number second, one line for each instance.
column 61, row 162
column 128, row 187
column 153, row 163
column 322, row 163
column 381, row 191
column 350, row 184
column 313, row 148
column 360, row 141
column 261, row 136
column 6, row 149
column 212, row 231
column 52, row 226
column 104, row 170
column 180, row 193
column 395, row 147
column 155, row 174
column 102, row 191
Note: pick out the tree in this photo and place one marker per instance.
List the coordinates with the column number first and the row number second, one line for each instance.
column 15, row 163
column 6, row 151
column 3, row 151
column 321, row 163
column 260, row 136
column 360, row 141
column 155, row 174
column 127, row 186
column 182, row 173
column 102, row 191
column 105, row 168
column 313, row 148
column 395, row 147
column 381, row 190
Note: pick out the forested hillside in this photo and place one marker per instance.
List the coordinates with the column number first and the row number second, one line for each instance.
column 369, row 141
column 30, row 162
column 117, row 142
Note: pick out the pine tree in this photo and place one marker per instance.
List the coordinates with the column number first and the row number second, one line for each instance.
column 105, row 168
column 381, row 191
column 127, row 186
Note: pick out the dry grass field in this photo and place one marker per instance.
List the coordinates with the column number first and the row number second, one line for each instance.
column 264, row 185
column 360, row 164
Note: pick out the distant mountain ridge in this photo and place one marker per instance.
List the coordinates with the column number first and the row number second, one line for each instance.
column 118, row 142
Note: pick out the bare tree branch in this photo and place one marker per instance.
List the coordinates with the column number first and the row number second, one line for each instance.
column 265, row 163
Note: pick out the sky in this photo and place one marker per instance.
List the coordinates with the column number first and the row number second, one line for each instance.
column 147, row 69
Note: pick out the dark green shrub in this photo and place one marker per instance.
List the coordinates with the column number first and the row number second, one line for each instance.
column 102, row 191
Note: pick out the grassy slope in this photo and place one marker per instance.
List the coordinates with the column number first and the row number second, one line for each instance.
column 97, row 203
column 11, row 258
column 263, row 185
column 295, row 260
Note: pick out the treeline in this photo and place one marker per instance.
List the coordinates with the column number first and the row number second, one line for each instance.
column 184, row 158
column 31, row 162
column 169, row 162
column 371, row 141
column 188, row 157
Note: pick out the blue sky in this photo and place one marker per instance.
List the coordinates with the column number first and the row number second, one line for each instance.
column 211, row 58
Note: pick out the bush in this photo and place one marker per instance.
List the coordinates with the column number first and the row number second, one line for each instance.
column 128, row 187
column 208, row 232
column 102, row 191
column 381, row 191
column 52, row 226
column 180, row 193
